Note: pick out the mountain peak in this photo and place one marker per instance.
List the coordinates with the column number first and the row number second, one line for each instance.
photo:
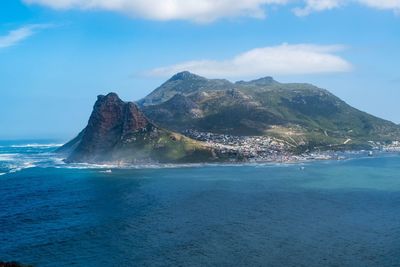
column 268, row 80
column 111, row 106
column 110, row 97
column 112, row 120
column 185, row 75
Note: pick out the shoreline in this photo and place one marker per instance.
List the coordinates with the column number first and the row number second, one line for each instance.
column 350, row 155
column 44, row 158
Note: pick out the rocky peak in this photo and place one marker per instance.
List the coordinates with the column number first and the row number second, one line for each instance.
column 112, row 120
column 185, row 75
column 107, row 110
column 110, row 114
column 110, row 97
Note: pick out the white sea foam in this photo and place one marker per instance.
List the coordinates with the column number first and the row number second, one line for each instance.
column 2, row 173
column 21, row 166
column 50, row 160
column 8, row 157
column 15, row 162
column 88, row 166
column 28, row 164
column 170, row 165
column 35, row 145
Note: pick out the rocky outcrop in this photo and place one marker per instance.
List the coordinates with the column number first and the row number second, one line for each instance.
column 111, row 122
column 118, row 131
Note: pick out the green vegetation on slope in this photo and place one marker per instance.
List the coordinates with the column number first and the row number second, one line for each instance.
column 302, row 114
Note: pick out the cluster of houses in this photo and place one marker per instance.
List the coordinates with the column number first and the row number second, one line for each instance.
column 253, row 148
column 265, row 148
column 393, row 147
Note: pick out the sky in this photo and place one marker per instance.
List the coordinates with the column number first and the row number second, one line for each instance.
column 56, row 56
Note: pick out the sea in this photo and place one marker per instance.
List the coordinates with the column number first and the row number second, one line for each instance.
column 321, row 213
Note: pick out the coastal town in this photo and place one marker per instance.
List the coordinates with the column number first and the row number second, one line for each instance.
column 393, row 147
column 253, row 148
column 269, row 149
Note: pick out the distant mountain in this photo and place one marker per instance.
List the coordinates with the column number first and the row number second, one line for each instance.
column 118, row 131
column 303, row 114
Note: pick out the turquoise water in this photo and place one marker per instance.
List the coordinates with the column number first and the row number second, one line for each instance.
column 340, row 213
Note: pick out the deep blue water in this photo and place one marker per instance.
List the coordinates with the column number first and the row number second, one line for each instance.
column 343, row 213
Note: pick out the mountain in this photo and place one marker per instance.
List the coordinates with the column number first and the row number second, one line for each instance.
column 190, row 118
column 118, row 131
column 303, row 114
column 184, row 83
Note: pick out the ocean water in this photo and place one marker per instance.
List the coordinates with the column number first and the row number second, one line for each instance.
column 331, row 213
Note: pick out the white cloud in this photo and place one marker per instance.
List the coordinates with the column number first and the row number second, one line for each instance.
column 321, row 5
column 317, row 5
column 194, row 10
column 207, row 10
column 382, row 4
column 13, row 37
column 284, row 59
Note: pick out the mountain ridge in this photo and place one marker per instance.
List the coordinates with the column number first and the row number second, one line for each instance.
column 190, row 118
column 261, row 106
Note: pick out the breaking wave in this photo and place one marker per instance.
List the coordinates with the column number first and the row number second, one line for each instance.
column 35, row 145
column 12, row 163
column 7, row 157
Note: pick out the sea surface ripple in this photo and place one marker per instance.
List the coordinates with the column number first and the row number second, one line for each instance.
column 331, row 213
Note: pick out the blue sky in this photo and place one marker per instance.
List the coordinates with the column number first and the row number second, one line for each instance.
column 57, row 56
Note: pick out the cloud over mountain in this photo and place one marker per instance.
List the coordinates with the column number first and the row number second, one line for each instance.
column 283, row 59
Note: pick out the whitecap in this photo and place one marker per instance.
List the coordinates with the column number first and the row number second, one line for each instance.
column 36, row 145
column 28, row 164
column 165, row 165
column 8, row 157
column 24, row 165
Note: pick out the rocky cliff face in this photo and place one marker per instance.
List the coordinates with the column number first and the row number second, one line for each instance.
column 111, row 122
column 119, row 131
